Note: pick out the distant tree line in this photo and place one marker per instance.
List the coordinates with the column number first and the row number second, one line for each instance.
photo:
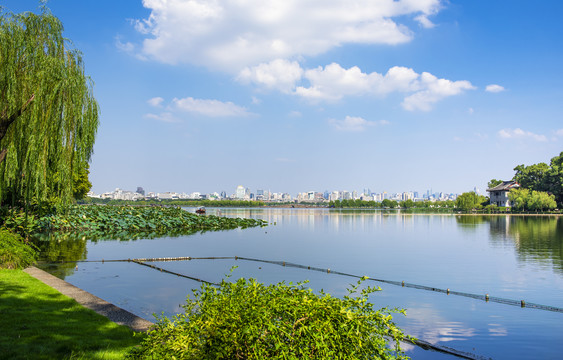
column 391, row 204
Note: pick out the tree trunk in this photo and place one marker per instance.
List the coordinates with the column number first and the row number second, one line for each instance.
column 6, row 121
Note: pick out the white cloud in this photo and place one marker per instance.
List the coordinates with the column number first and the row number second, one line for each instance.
column 333, row 82
column 355, row 124
column 559, row 132
column 164, row 117
column 127, row 47
column 278, row 74
column 520, row 134
column 207, row 107
column 155, row 101
column 231, row 35
column 424, row 22
column 494, row 88
column 434, row 90
column 295, row 114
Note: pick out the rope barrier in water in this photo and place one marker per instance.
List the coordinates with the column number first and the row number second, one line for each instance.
column 486, row 297
column 143, row 261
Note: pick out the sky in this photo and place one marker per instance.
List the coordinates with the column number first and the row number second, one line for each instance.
column 314, row 95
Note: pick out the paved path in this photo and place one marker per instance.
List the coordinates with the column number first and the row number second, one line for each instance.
column 102, row 307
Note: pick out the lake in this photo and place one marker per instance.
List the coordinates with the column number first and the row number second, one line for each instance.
column 510, row 258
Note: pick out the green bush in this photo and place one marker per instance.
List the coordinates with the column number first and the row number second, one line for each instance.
column 14, row 253
column 17, row 221
column 248, row 320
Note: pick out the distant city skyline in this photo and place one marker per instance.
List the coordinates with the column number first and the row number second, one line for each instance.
column 391, row 95
column 243, row 193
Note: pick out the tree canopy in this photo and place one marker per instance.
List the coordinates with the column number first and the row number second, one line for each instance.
column 525, row 199
column 48, row 114
column 542, row 177
column 470, row 200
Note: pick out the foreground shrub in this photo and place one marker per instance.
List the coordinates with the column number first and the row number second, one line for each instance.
column 14, row 253
column 248, row 320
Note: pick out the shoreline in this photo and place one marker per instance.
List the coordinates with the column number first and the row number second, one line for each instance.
column 112, row 312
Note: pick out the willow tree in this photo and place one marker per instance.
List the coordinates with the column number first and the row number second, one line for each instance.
column 48, row 114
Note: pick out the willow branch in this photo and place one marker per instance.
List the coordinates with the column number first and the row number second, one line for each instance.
column 6, row 122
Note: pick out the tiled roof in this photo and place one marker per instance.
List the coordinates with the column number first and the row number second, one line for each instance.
column 505, row 186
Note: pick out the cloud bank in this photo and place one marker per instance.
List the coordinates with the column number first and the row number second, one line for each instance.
column 232, row 34
column 333, row 82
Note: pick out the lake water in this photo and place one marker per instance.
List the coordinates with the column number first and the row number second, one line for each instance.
column 509, row 257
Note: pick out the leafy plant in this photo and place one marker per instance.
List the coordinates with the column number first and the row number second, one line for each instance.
column 17, row 221
column 14, row 253
column 113, row 219
column 249, row 320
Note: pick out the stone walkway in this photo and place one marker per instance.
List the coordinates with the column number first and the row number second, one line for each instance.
column 102, row 307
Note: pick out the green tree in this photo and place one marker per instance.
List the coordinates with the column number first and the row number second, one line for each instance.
column 531, row 177
column 519, row 198
column 540, row 201
column 554, row 178
column 80, row 183
column 407, row 204
column 386, row 203
column 470, row 200
column 48, row 114
column 494, row 182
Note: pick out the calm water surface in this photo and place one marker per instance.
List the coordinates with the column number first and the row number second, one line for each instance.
column 518, row 258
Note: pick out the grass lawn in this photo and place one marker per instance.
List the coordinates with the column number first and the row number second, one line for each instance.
column 38, row 322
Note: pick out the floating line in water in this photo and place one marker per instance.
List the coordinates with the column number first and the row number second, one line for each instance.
column 420, row 343
column 486, row 297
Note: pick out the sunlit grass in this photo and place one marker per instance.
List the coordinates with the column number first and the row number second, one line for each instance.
column 38, row 322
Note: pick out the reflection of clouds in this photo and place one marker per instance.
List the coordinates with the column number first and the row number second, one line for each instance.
column 427, row 324
column 497, row 330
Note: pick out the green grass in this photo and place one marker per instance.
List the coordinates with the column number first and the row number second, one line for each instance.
column 38, row 322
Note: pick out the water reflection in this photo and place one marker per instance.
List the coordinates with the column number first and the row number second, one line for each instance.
column 537, row 239
column 506, row 256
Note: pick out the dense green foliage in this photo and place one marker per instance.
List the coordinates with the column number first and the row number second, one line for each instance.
column 529, row 200
column 18, row 221
column 38, row 322
column 134, row 219
column 543, row 177
column 248, row 320
column 14, row 253
column 469, row 201
column 48, row 115
column 391, row 204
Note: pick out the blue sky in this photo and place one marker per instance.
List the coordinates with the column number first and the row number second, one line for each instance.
column 293, row 95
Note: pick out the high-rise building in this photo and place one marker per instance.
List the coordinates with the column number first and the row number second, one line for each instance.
column 240, row 192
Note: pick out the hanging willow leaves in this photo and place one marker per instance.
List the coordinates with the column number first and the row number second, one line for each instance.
column 48, row 114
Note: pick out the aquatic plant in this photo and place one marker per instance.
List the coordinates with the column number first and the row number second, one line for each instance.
column 138, row 219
